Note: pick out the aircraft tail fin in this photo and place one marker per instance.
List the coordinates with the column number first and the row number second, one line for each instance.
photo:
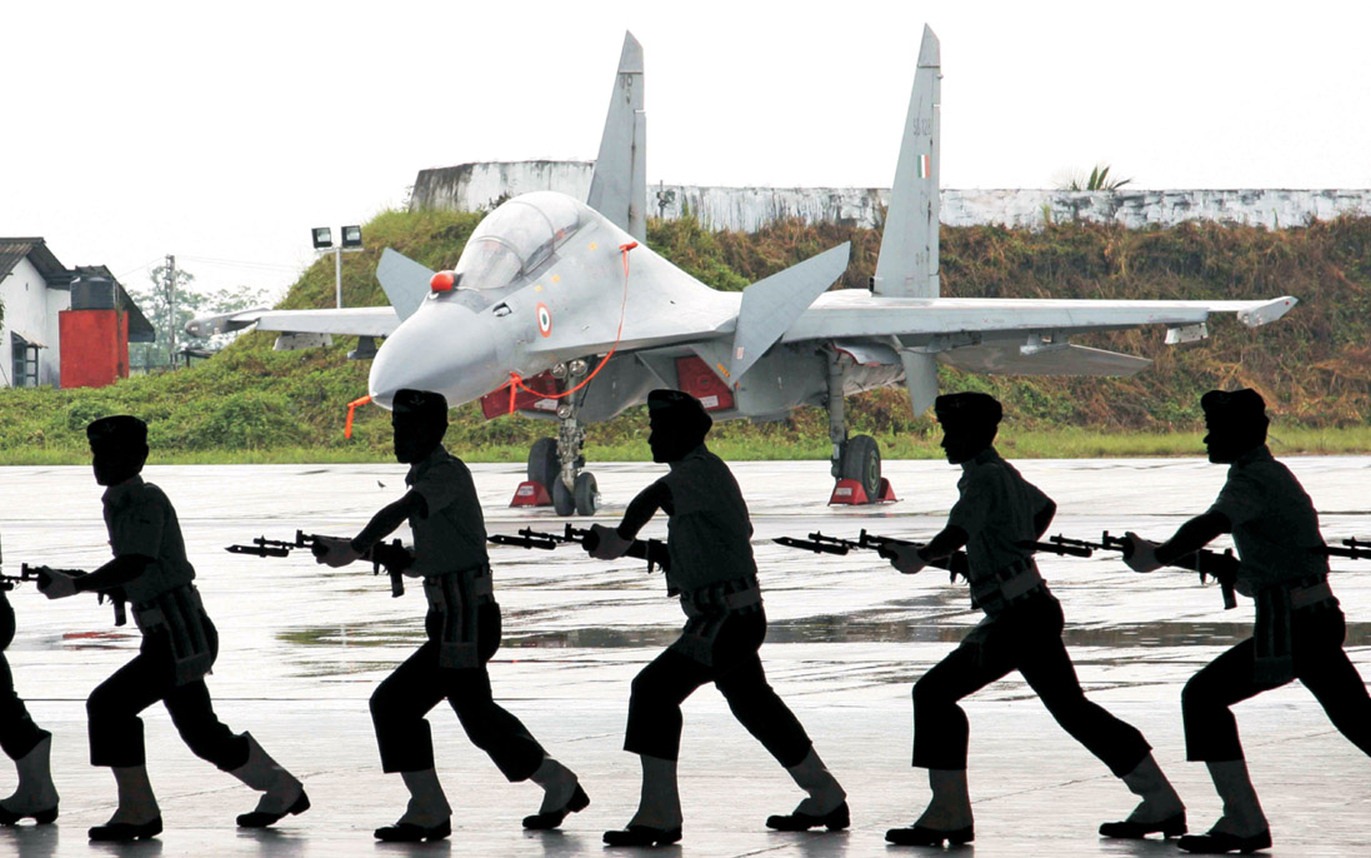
column 908, row 261
column 773, row 303
column 618, row 188
column 405, row 282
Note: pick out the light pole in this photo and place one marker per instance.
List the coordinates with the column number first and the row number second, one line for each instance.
column 323, row 243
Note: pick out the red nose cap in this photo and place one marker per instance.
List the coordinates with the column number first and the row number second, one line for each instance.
column 443, row 281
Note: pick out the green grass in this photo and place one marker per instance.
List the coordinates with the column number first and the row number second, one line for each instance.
column 1070, row 443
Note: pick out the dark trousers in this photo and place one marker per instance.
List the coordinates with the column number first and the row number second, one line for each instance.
column 654, row 709
column 116, row 731
column 18, row 733
column 1211, row 732
column 1027, row 637
column 401, row 701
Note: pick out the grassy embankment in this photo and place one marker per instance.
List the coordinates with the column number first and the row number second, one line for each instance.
column 249, row 404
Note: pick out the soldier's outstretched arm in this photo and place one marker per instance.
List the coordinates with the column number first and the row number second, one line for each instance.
column 389, row 518
column 613, row 542
column 339, row 552
column 1193, row 535
column 116, row 573
column 911, row 559
column 1146, row 556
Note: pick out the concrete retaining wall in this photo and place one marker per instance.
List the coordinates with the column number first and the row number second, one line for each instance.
column 469, row 187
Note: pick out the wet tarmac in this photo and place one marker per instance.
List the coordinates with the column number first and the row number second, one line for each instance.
column 303, row 646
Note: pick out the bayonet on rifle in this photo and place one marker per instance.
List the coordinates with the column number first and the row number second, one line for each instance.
column 393, row 556
column 654, row 551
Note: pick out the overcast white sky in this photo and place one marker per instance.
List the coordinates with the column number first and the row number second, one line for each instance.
column 223, row 132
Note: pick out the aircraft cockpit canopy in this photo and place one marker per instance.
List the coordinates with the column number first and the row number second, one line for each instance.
column 516, row 238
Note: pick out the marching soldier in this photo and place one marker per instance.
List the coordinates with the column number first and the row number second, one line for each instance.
column 997, row 515
column 179, row 647
column 463, row 626
column 1299, row 626
column 713, row 570
column 29, row 745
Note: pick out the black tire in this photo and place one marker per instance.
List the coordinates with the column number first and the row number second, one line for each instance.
column 586, row 493
column 862, row 462
column 543, row 466
column 563, row 502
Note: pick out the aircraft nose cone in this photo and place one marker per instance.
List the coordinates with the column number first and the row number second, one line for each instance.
column 444, row 347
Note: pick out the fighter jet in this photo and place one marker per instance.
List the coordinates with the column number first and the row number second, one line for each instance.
column 557, row 308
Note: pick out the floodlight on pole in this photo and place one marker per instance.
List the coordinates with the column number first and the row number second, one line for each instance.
column 351, row 240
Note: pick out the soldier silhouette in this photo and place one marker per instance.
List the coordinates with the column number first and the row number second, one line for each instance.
column 178, row 649
column 1299, row 626
column 996, row 517
column 29, row 745
column 463, row 628
column 713, row 570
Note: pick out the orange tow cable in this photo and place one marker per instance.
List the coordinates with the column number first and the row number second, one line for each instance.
column 517, row 381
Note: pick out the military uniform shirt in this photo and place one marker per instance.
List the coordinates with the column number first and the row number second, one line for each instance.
column 451, row 535
column 709, row 534
column 996, row 509
column 1275, row 527
column 140, row 520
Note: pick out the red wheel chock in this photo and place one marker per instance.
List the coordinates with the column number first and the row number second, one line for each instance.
column 531, row 493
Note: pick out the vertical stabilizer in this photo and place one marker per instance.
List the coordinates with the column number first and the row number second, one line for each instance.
column 618, row 188
column 908, row 262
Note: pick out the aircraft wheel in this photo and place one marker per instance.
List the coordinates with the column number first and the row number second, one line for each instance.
column 543, row 466
column 587, row 494
column 862, row 462
column 563, row 502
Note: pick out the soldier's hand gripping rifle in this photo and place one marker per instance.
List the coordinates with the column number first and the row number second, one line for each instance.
column 1221, row 566
column 392, row 556
column 41, row 575
column 651, row 550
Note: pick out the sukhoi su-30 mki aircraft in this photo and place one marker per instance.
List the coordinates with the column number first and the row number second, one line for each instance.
column 557, row 308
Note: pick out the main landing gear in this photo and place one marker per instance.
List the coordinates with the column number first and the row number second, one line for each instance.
column 856, row 462
column 555, row 477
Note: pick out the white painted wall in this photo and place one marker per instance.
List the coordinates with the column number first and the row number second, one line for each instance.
column 469, row 187
column 31, row 308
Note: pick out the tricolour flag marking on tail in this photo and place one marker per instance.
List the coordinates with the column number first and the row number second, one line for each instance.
column 925, row 166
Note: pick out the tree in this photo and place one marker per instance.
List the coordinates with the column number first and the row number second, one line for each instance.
column 156, row 303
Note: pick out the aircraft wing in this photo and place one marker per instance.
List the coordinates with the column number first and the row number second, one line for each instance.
column 950, row 322
column 354, row 321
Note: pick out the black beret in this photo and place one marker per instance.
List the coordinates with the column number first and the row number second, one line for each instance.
column 680, row 406
column 969, row 409
column 1234, row 407
column 119, row 429
column 421, row 403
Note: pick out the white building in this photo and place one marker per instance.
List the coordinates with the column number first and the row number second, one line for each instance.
column 34, row 289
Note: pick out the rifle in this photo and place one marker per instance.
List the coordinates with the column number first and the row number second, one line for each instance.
column 1223, row 567
column 652, row 550
column 1356, row 549
column 391, row 555
column 956, row 563
column 41, row 575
